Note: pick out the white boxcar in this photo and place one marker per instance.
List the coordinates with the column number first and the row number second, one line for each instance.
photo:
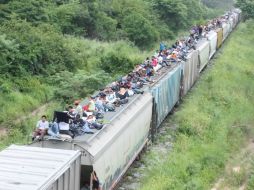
column 204, row 52
column 111, row 151
column 225, row 27
column 190, row 71
column 212, row 38
column 32, row 168
column 114, row 152
column 236, row 17
column 231, row 22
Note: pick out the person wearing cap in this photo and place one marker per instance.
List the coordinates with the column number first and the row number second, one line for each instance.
column 78, row 108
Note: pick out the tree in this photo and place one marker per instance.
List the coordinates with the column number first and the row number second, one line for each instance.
column 8, row 49
column 219, row 4
column 247, row 7
column 33, row 11
column 73, row 86
column 39, row 51
column 173, row 12
column 139, row 30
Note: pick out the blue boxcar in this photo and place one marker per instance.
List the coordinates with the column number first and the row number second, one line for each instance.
column 166, row 93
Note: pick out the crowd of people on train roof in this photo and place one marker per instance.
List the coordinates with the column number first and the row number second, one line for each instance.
column 78, row 120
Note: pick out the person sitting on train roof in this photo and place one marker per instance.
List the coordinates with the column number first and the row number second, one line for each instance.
column 80, row 126
column 78, row 108
column 70, row 113
column 108, row 98
column 54, row 130
column 99, row 104
column 136, row 88
column 41, row 128
column 154, row 61
column 92, row 123
column 149, row 70
column 91, row 105
column 122, row 93
column 147, row 61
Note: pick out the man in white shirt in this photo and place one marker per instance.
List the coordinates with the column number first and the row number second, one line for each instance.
column 41, row 128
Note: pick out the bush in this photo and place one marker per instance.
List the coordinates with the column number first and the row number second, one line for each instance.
column 75, row 86
column 39, row 50
column 139, row 30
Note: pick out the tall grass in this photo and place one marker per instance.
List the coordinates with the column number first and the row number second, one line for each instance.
column 20, row 133
column 20, row 97
column 213, row 121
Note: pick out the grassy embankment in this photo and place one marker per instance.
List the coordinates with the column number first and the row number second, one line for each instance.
column 214, row 121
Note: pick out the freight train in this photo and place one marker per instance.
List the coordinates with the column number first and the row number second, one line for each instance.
column 111, row 150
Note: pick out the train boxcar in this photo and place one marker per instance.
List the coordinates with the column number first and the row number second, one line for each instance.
column 238, row 15
column 212, row 38
column 226, row 30
column 190, row 72
column 231, row 22
column 31, row 168
column 166, row 93
column 110, row 151
column 203, row 48
column 219, row 32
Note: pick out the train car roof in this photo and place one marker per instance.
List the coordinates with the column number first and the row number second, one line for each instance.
column 98, row 143
column 211, row 34
column 109, row 117
column 30, row 168
column 202, row 43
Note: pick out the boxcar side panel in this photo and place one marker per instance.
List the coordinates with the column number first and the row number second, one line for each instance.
column 219, row 37
column 225, row 31
column 204, row 50
column 166, row 94
column 190, row 71
column 231, row 22
column 212, row 37
column 113, row 162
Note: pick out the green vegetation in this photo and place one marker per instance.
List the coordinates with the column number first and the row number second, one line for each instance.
column 214, row 121
column 218, row 4
column 19, row 133
column 247, row 6
column 50, row 49
column 239, row 169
